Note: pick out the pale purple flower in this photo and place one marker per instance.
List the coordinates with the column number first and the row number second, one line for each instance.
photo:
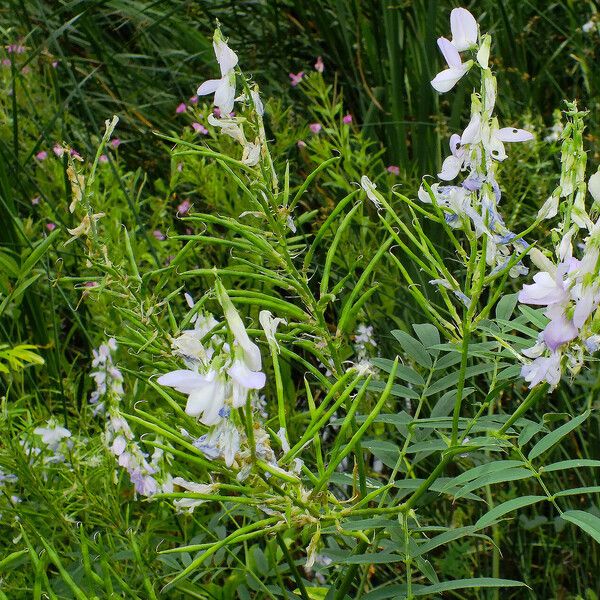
column 35, row 201
column 301, row 144
column 296, row 78
column 393, row 169
column 193, row 100
column 43, row 155
column 181, row 108
column 199, row 128
column 315, row 127
column 543, row 369
column 115, row 143
column 158, row 234
column 103, row 159
column 75, row 154
column 184, row 207
column 58, row 150
column 217, row 112
column 50, row 226
column 54, row 64
column 319, row 65
column 6, row 62
column 347, row 119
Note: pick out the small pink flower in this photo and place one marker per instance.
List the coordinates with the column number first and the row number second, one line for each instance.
column 35, row 201
column 347, row 119
column 393, row 169
column 158, row 234
column 50, row 226
column 301, row 144
column 43, row 155
column 296, row 78
column 103, row 159
column 74, row 153
column 184, row 207
column 319, row 65
column 194, row 100
column 6, row 62
column 90, row 284
column 315, row 127
column 54, row 64
column 15, row 48
column 181, row 108
column 217, row 112
column 58, row 150
column 115, row 143
column 199, row 128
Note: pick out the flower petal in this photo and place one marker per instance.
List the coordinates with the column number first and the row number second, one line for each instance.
column 209, row 87
column 240, row 373
column 447, row 79
column 183, row 380
column 511, row 134
column 464, row 29
column 449, row 52
column 450, row 168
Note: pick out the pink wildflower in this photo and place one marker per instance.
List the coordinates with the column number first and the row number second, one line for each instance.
column 50, row 226
column 315, row 127
column 181, row 108
column 58, row 150
column 394, row 170
column 347, row 119
column 103, row 159
column 194, row 100
column 217, row 112
column 158, row 234
column 115, row 143
column 319, row 65
column 296, row 78
column 199, row 128
column 184, row 207
column 43, row 155
column 301, row 144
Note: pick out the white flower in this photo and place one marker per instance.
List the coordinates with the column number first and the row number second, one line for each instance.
column 223, row 88
column 464, row 29
column 206, row 393
column 587, row 27
column 448, row 78
column 594, row 186
column 189, row 504
column 269, row 325
column 370, row 188
column 52, row 434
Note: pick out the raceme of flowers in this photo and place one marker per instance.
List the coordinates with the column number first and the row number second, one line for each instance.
column 224, row 90
column 472, row 205
column 147, row 474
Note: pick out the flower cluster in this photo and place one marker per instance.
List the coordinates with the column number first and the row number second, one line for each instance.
column 570, row 289
column 472, row 205
column 224, row 90
column 220, row 375
column 147, row 475
column 56, row 440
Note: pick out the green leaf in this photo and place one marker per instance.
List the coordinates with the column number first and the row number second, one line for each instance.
column 493, row 478
column 413, row 348
column 493, row 515
column 555, row 436
column 487, row 469
column 402, row 372
column 586, row 521
column 463, row 584
column 570, row 464
column 506, row 306
column 429, row 336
